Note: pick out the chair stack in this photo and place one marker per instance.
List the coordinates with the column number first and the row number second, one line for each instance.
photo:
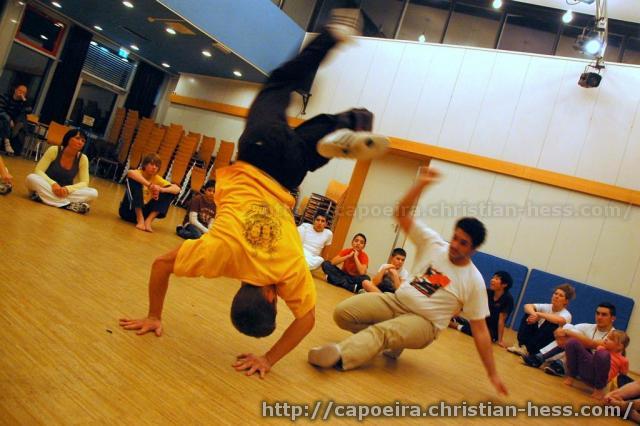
column 320, row 203
column 168, row 146
column 140, row 142
column 182, row 159
column 152, row 144
column 224, row 155
column 128, row 130
column 205, row 152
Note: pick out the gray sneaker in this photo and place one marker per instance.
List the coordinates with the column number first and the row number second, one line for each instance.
column 7, row 148
column 555, row 368
column 324, row 356
column 5, row 188
column 347, row 143
column 81, row 208
column 344, row 24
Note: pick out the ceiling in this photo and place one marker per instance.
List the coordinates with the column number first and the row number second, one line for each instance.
column 125, row 26
column 624, row 10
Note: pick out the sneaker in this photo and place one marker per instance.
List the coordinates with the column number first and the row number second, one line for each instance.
column 81, row 208
column 555, row 368
column 35, row 197
column 362, row 291
column 344, row 24
column 5, row 188
column 346, row 143
column 534, row 361
column 324, row 356
column 518, row 349
column 392, row 353
column 7, row 148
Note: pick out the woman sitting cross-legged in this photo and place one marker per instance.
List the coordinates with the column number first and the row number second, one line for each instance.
column 61, row 178
column 148, row 196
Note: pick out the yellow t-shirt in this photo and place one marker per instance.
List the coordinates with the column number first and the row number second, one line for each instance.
column 254, row 239
column 155, row 180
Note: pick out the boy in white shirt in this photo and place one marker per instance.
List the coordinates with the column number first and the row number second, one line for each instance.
column 390, row 275
column 314, row 239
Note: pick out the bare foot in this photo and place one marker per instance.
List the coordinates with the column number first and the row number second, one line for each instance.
column 598, row 394
column 140, row 226
column 568, row 381
column 147, row 227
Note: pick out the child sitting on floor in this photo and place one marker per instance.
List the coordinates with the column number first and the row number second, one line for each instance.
column 202, row 211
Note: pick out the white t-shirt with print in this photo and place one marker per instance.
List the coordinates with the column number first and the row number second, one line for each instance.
column 588, row 330
column 448, row 287
column 403, row 274
column 547, row 308
column 314, row 241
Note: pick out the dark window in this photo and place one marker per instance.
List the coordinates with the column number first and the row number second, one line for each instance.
column 381, row 17
column 24, row 66
column 531, row 34
column 473, row 23
column 632, row 51
column 40, row 31
column 426, row 18
column 95, row 103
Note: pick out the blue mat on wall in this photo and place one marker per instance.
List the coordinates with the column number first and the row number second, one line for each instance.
column 488, row 264
column 540, row 288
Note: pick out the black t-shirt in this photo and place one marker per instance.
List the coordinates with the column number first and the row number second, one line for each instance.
column 503, row 304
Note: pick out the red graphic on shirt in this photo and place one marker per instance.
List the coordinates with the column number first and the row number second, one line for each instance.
column 430, row 282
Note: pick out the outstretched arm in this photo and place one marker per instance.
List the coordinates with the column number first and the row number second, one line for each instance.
column 292, row 336
column 482, row 340
column 404, row 212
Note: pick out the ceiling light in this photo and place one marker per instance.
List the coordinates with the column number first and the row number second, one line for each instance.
column 14, row 21
column 21, row 3
column 97, row 27
column 166, row 65
column 93, row 43
column 567, row 17
column 206, row 53
column 44, row 37
column 134, row 47
column 127, row 3
column 56, row 4
column 124, row 59
column 593, row 46
column 170, row 30
column 422, row 38
column 237, row 73
column 497, row 4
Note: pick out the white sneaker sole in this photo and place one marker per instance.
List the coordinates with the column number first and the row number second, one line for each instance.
column 324, row 356
column 346, row 143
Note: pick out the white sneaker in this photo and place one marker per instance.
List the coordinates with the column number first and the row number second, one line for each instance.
column 347, row 143
column 344, row 24
column 324, row 356
column 518, row 350
column 7, row 147
column 81, row 208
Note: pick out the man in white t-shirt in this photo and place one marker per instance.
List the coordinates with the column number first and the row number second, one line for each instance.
column 590, row 335
column 390, row 275
column 314, row 239
column 444, row 281
column 541, row 320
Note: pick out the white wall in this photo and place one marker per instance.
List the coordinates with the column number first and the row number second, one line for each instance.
column 522, row 108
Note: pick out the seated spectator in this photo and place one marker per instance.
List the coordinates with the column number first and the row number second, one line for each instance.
column 591, row 336
column 199, row 217
column 598, row 368
column 623, row 396
column 61, row 178
column 6, row 180
column 13, row 115
column 148, row 196
column 354, row 266
column 390, row 275
column 541, row 320
column 500, row 307
column 314, row 239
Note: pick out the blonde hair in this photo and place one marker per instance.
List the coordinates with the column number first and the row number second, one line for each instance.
column 620, row 337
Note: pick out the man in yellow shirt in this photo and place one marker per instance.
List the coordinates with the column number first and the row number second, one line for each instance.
column 254, row 238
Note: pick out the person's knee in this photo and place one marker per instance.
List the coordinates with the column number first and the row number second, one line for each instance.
column 252, row 313
column 165, row 262
column 602, row 355
column 572, row 344
column 91, row 194
column 342, row 316
column 325, row 266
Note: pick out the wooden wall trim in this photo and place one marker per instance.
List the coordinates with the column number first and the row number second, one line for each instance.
column 419, row 150
column 351, row 197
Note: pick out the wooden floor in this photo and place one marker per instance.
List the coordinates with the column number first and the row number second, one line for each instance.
column 65, row 279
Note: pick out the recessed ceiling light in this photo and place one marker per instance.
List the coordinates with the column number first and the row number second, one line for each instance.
column 567, row 17
column 14, row 21
column 134, row 47
column 44, row 37
column 497, row 4
column 97, row 27
column 206, row 53
column 93, row 43
column 56, row 4
column 170, row 30
column 127, row 3
column 166, row 65
column 237, row 73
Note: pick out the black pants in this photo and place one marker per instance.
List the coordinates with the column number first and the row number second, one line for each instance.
column 534, row 337
column 133, row 199
column 339, row 278
column 15, row 134
column 269, row 143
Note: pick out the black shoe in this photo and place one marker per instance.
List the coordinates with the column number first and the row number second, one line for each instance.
column 555, row 368
column 534, row 361
column 35, row 197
